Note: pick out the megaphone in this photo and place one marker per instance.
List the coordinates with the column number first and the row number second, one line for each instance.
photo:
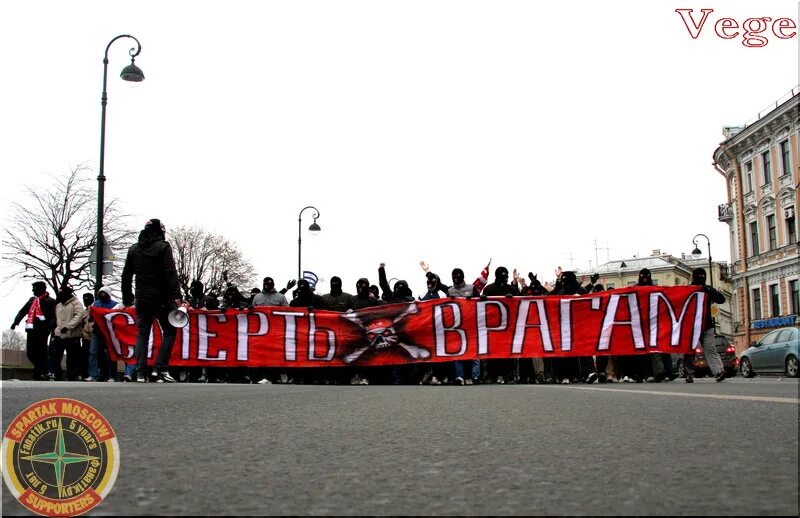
column 178, row 317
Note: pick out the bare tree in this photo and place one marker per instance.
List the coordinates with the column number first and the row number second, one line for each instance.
column 51, row 236
column 13, row 340
column 208, row 258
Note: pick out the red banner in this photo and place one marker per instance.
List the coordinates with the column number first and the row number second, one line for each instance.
column 632, row 320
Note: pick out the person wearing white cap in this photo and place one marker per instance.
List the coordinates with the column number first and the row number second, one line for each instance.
column 101, row 367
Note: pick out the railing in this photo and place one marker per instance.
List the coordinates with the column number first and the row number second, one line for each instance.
column 767, row 109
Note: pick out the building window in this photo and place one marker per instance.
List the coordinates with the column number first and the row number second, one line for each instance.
column 756, row 298
column 767, row 167
column 748, row 178
column 754, row 238
column 774, row 301
column 772, row 232
column 786, row 163
column 791, row 229
column 794, row 297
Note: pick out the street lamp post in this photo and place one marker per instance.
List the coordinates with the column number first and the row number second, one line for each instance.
column 696, row 252
column 129, row 73
column 314, row 228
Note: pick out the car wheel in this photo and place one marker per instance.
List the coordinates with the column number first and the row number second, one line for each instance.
column 792, row 367
column 681, row 369
column 746, row 368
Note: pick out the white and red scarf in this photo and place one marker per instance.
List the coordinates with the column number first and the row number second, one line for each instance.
column 35, row 311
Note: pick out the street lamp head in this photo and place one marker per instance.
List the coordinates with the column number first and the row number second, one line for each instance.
column 132, row 73
column 314, row 228
column 696, row 252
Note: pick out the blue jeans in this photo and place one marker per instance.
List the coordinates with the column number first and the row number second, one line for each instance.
column 476, row 368
column 101, row 367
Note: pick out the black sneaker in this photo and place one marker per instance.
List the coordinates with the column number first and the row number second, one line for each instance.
column 591, row 378
column 721, row 376
column 689, row 379
column 141, row 379
column 602, row 377
column 164, row 377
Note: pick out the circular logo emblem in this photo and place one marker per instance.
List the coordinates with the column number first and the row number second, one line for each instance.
column 60, row 457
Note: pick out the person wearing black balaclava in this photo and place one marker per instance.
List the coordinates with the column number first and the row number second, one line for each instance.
column 409, row 373
column 67, row 335
column 158, row 292
column 501, row 370
column 659, row 363
column 399, row 293
column 337, row 300
column 572, row 370
column 707, row 341
column 362, row 299
column 40, row 320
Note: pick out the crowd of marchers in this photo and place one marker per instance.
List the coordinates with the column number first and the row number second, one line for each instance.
column 64, row 325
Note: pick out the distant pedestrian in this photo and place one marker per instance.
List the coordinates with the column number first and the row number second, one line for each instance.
column 158, row 292
column 40, row 321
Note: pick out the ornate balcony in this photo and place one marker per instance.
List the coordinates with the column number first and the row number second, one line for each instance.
column 725, row 212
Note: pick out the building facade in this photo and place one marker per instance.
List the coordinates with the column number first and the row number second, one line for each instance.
column 668, row 270
column 760, row 164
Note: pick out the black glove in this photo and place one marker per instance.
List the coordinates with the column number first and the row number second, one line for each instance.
column 595, row 277
column 64, row 330
column 13, row 326
column 291, row 284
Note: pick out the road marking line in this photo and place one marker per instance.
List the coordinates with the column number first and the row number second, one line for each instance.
column 768, row 399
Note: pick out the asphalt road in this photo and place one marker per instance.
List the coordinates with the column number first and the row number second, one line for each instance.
column 619, row 449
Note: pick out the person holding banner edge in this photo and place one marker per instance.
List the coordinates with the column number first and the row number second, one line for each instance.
column 707, row 340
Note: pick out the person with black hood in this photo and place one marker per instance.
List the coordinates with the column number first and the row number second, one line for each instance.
column 393, row 295
column 269, row 296
column 158, row 292
column 707, row 341
column 362, row 299
column 502, row 371
column 306, row 298
column 399, row 293
column 660, row 363
column 572, row 370
column 40, row 321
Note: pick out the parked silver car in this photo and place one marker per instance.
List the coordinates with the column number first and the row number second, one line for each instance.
column 777, row 351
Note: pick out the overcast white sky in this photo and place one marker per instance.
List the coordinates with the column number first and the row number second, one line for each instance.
column 449, row 131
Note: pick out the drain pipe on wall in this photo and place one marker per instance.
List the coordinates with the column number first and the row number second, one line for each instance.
column 741, row 238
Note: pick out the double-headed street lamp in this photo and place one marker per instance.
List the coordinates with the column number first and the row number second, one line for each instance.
column 129, row 73
column 314, row 229
column 697, row 253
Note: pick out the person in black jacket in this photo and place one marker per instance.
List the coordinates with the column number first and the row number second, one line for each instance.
column 707, row 341
column 157, row 293
column 500, row 370
column 40, row 321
